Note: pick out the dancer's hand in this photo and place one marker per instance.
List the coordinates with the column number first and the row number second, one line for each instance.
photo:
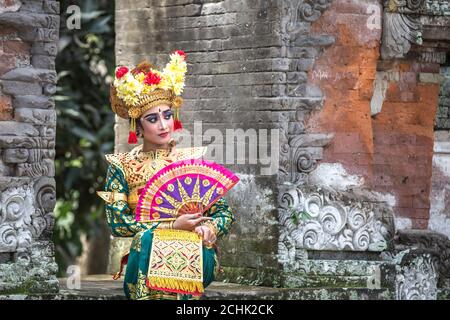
column 209, row 238
column 189, row 221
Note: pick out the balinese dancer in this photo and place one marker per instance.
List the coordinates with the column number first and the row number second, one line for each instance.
column 151, row 99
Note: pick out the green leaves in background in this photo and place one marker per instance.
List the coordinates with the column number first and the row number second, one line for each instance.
column 85, row 64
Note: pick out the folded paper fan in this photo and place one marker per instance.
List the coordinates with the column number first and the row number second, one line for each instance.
column 186, row 186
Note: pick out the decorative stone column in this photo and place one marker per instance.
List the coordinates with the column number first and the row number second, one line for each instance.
column 29, row 32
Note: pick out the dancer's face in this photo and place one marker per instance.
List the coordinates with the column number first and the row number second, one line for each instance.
column 157, row 124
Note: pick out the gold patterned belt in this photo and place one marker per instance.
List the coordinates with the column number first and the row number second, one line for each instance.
column 176, row 262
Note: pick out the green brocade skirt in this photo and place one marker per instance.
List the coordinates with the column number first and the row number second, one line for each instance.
column 136, row 271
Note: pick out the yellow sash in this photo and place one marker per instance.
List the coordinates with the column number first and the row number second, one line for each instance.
column 176, row 262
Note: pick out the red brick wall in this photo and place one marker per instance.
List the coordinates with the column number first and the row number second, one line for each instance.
column 392, row 150
column 14, row 53
column 403, row 142
column 345, row 73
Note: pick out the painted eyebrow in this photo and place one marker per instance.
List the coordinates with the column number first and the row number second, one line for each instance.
column 151, row 115
column 155, row 114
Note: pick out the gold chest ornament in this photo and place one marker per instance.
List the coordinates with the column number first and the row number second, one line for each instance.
column 138, row 166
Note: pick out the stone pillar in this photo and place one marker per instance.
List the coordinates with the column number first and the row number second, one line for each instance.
column 237, row 70
column 28, row 46
column 440, row 182
column 333, row 227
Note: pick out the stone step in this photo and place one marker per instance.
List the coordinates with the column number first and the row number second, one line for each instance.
column 342, row 267
column 335, row 274
column 102, row 287
column 222, row 291
column 305, row 280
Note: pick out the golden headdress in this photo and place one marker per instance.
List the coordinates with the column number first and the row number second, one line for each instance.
column 136, row 91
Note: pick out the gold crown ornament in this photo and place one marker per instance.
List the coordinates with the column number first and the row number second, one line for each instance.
column 134, row 92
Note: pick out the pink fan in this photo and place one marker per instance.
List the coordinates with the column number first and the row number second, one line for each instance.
column 186, row 186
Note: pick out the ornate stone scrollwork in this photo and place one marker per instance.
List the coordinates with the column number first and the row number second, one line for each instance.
column 297, row 155
column 36, row 169
column 438, row 7
column 298, row 12
column 434, row 243
column 42, row 218
column 416, row 278
column 411, row 22
column 51, row 7
column 401, row 27
column 399, row 32
column 16, row 205
column 408, row 6
column 317, row 219
column 428, row 7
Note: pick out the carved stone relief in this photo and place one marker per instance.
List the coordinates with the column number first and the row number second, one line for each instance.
column 417, row 279
column 403, row 27
column 16, row 208
column 317, row 219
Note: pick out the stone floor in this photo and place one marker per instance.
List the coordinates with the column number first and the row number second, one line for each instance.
column 103, row 287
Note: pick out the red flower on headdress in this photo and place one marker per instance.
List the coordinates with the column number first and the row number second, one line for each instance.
column 121, row 71
column 181, row 53
column 152, row 78
column 177, row 125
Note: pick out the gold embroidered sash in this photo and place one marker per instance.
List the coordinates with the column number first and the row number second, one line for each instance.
column 176, row 262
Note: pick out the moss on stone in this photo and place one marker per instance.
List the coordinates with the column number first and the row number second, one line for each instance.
column 248, row 276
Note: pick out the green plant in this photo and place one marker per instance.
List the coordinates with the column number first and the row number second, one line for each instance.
column 298, row 215
column 85, row 133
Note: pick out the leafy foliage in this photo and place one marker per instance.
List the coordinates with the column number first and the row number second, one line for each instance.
column 85, row 133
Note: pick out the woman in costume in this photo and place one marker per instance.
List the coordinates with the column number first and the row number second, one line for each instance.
column 150, row 99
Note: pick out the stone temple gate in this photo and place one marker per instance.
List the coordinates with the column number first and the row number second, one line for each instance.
column 354, row 95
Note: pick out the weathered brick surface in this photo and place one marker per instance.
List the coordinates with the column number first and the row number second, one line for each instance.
column 392, row 149
column 403, row 143
column 345, row 73
column 6, row 111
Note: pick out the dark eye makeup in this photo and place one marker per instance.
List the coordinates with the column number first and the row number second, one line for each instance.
column 153, row 117
column 168, row 114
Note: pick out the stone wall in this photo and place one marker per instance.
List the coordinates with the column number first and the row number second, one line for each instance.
column 251, row 68
column 381, row 101
column 235, row 72
column 28, row 46
column 443, row 113
column 440, row 187
column 353, row 108
column 404, row 136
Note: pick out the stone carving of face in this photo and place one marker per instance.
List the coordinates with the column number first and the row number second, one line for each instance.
column 156, row 125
